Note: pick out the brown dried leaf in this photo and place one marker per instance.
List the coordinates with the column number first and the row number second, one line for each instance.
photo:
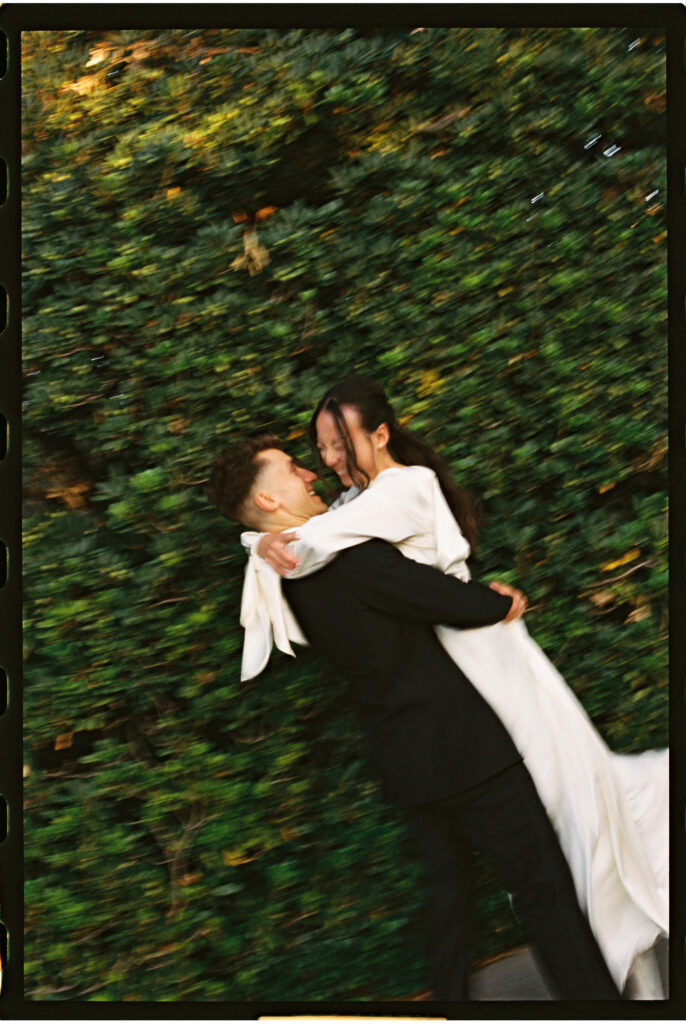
column 265, row 212
column 203, row 678
column 190, row 879
column 177, row 426
column 71, row 496
column 255, row 257
column 655, row 101
column 638, row 614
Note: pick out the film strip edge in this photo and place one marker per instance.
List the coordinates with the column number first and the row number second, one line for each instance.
column 11, row 888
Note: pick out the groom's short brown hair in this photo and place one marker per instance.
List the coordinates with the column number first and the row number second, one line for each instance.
column 233, row 474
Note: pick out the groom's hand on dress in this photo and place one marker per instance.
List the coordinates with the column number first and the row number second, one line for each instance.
column 518, row 600
column 273, row 548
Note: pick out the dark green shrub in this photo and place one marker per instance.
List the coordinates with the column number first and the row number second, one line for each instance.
column 441, row 209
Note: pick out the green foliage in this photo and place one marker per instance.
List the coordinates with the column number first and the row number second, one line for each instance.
column 472, row 216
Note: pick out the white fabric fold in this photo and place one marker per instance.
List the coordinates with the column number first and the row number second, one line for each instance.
column 265, row 615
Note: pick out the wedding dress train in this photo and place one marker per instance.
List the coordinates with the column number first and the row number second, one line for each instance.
column 610, row 811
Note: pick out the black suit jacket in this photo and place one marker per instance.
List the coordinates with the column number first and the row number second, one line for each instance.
column 370, row 614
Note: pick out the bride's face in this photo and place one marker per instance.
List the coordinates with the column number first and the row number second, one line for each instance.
column 332, row 449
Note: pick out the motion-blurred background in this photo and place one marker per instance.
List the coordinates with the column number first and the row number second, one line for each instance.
column 217, row 226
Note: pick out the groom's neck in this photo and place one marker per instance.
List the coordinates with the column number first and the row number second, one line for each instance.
column 282, row 521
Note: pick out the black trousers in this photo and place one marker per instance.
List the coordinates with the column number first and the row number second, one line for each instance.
column 504, row 818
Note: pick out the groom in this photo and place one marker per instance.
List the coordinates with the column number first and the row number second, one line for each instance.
column 439, row 749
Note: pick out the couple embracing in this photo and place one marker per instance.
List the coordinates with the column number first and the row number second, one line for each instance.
column 471, row 729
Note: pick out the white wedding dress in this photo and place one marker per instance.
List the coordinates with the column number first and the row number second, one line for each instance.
column 610, row 811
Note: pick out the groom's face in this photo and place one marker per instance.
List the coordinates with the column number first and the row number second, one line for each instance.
column 289, row 484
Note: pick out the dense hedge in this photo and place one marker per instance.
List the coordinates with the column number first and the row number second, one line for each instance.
column 217, row 225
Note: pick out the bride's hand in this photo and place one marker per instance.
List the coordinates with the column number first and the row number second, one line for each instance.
column 273, row 549
column 518, row 600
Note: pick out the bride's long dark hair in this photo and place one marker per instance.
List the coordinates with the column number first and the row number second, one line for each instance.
column 373, row 406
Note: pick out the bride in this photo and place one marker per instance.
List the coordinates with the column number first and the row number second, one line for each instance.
column 610, row 811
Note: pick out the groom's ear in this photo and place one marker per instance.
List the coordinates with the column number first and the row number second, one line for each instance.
column 265, row 501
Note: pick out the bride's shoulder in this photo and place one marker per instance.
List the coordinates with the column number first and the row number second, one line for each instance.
column 421, row 472
column 411, row 473
column 405, row 479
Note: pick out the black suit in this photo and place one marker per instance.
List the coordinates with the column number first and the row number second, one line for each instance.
column 442, row 752
column 432, row 733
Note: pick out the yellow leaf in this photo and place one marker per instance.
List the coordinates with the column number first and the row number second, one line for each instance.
column 231, row 858
column 83, row 85
column 605, row 488
column 64, row 740
column 628, row 557
column 430, row 382
column 522, row 355
column 98, row 55
column 174, row 193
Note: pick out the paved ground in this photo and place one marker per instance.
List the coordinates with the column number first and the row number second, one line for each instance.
column 513, row 976
column 516, row 976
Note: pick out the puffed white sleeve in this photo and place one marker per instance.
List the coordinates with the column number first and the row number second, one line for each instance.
column 394, row 508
